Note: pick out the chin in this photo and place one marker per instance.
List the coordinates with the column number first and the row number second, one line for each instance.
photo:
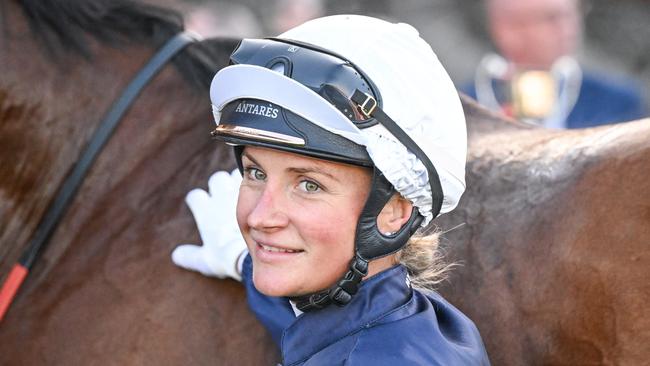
column 278, row 282
column 271, row 283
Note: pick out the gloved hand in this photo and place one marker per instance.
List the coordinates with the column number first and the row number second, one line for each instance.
column 214, row 213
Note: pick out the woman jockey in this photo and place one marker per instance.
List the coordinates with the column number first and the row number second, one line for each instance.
column 351, row 138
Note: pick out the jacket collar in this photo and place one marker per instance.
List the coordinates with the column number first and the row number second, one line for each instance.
column 313, row 331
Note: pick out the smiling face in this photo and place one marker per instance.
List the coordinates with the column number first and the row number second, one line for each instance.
column 298, row 216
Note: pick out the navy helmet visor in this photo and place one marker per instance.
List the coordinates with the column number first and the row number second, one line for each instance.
column 336, row 80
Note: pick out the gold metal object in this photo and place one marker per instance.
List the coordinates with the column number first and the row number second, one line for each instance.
column 368, row 112
column 534, row 94
column 256, row 134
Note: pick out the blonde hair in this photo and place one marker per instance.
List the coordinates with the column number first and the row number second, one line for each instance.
column 424, row 260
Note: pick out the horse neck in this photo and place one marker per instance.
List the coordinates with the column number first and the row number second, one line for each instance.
column 482, row 122
column 48, row 111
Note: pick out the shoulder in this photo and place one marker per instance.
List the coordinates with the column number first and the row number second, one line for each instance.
column 609, row 86
column 387, row 350
column 436, row 334
column 368, row 347
column 605, row 99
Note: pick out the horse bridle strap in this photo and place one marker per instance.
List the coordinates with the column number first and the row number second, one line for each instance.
column 66, row 193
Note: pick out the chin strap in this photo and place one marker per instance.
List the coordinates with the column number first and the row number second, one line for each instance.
column 339, row 294
column 370, row 243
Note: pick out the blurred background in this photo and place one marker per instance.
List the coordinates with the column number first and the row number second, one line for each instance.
column 615, row 34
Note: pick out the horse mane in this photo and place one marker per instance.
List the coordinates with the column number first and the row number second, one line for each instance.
column 65, row 26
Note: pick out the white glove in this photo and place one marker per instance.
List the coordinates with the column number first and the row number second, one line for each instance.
column 215, row 216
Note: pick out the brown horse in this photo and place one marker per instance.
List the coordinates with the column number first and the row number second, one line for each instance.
column 554, row 247
column 555, row 250
column 105, row 291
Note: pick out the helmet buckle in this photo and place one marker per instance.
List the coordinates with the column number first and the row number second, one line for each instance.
column 367, row 111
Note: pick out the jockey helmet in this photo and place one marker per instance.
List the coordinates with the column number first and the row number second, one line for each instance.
column 356, row 90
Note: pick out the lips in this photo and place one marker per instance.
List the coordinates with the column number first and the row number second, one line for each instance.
column 275, row 255
column 274, row 249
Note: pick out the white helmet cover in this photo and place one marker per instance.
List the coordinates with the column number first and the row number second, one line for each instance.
column 416, row 92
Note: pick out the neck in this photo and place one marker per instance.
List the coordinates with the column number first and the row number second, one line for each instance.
column 380, row 264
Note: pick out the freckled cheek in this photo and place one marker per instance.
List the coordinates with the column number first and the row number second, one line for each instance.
column 327, row 231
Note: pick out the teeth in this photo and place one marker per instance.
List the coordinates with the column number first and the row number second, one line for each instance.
column 278, row 250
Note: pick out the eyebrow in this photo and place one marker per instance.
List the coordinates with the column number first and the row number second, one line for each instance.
column 250, row 158
column 316, row 170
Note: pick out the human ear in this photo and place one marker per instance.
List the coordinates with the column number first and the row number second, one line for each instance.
column 395, row 213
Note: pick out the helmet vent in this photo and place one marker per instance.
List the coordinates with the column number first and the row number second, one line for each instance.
column 278, row 67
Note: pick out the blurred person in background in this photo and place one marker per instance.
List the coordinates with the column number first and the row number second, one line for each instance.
column 290, row 13
column 222, row 19
column 536, row 77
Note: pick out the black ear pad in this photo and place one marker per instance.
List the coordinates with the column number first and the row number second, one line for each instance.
column 239, row 149
column 370, row 242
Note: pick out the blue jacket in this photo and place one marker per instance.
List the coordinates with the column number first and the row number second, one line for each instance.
column 602, row 100
column 386, row 323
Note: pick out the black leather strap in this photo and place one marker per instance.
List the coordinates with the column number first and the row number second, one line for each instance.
column 341, row 293
column 68, row 189
column 369, row 242
column 362, row 99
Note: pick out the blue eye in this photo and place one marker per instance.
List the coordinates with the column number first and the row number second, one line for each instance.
column 309, row 186
column 255, row 174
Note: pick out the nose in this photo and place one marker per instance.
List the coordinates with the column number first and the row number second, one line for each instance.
column 269, row 210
